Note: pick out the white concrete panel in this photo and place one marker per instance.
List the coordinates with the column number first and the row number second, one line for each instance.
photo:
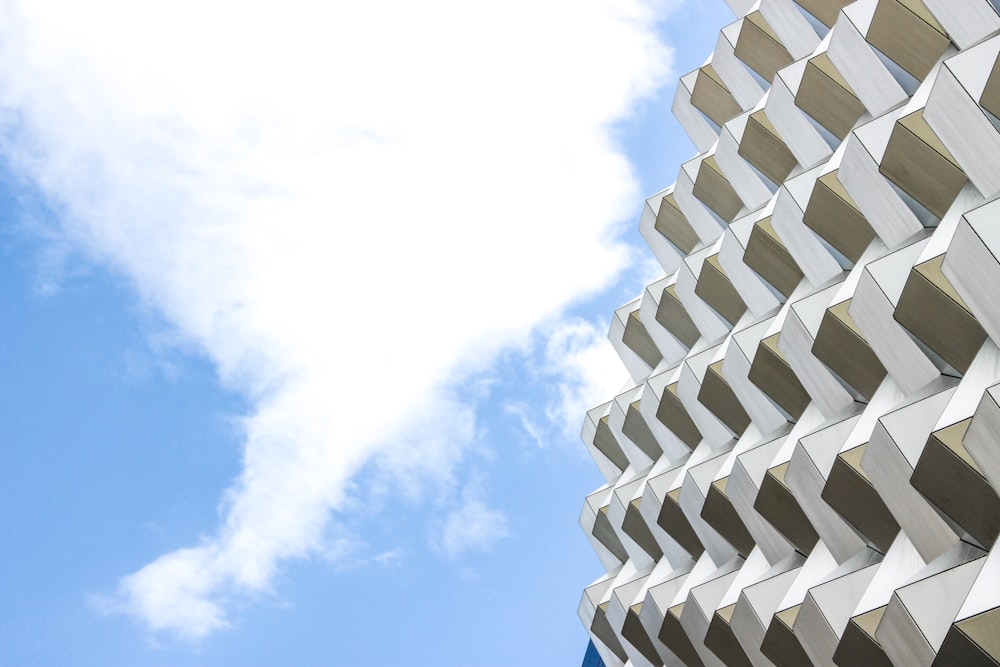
column 972, row 267
column 963, row 126
column 856, row 61
column 886, row 212
column 808, row 251
column 872, row 310
column 758, row 297
column 889, row 460
column 791, row 27
column 795, row 128
column 702, row 132
column 750, row 187
column 966, row 21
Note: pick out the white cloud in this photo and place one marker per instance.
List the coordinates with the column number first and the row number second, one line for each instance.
column 523, row 413
column 586, row 369
column 473, row 526
column 347, row 207
column 578, row 369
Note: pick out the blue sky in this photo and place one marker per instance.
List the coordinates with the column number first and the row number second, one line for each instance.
column 292, row 342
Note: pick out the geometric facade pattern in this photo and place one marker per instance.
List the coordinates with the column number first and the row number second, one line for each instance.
column 805, row 468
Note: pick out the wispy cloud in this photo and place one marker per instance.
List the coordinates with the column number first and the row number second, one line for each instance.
column 576, row 368
column 472, row 526
column 348, row 207
column 585, row 368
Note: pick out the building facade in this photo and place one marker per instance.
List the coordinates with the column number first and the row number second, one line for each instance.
column 805, row 468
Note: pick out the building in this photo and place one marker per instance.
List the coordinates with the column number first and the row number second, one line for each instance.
column 806, row 468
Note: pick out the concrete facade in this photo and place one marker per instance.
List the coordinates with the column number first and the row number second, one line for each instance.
column 805, row 468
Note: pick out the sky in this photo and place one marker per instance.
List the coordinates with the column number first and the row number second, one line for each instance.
column 301, row 308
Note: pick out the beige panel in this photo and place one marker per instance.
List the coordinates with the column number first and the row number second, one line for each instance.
column 948, row 476
column 768, row 256
column 772, row 375
column 931, row 309
column 840, row 345
column 607, row 444
column 716, row 395
column 780, row 644
column 721, row 640
column 602, row 630
column 714, row 190
column 639, row 341
column 674, row 227
column 759, row 47
column 673, row 316
column 672, row 413
column 764, row 148
column 636, row 430
column 974, row 642
column 825, row 10
column 712, row 97
column 676, row 524
column 921, row 166
column 776, row 503
column 674, row 637
column 827, row 97
column 858, row 645
column 990, row 99
column 906, row 32
column 635, row 634
column 719, row 513
column 835, row 217
column 715, row 289
column 634, row 525
column 851, row 494
column 605, row 534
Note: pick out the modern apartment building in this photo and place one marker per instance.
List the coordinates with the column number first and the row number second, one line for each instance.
column 805, row 470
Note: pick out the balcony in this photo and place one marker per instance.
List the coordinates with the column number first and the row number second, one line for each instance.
column 843, row 348
column 607, row 444
column 949, row 477
column 673, row 520
column 931, row 310
column 672, row 315
column 858, row 645
column 713, row 189
column 637, row 339
column 674, row 226
column 635, row 429
column 972, row 640
column 760, row 48
column 779, row 507
column 764, row 148
column 674, row 416
column 770, row 259
column 716, row 395
column 849, row 491
column 675, row 637
column 917, row 162
column 780, row 644
column 635, row 634
column 715, row 289
column 824, row 10
column 712, row 97
column 603, row 630
column 836, row 218
column 990, row 99
column 721, row 640
column 634, row 525
column 909, row 35
column 719, row 513
column 825, row 95
column 772, row 375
